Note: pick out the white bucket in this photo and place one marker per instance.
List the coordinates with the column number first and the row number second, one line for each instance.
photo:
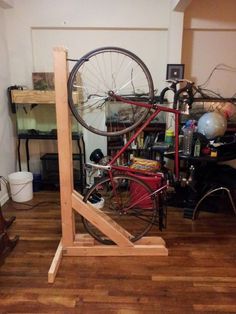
column 21, row 186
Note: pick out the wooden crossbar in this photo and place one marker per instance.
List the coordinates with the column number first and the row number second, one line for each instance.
column 101, row 221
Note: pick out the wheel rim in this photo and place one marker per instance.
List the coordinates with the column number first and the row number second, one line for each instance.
column 129, row 205
column 103, row 71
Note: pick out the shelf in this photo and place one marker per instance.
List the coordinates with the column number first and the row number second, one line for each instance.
column 38, row 135
column 50, row 170
column 119, row 125
column 35, row 96
column 213, row 99
column 41, row 97
column 54, row 156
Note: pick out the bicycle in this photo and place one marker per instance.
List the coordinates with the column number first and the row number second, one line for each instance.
column 115, row 95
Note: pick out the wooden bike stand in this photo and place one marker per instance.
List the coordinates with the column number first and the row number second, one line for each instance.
column 73, row 244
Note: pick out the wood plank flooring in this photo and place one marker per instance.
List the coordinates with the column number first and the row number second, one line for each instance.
column 198, row 276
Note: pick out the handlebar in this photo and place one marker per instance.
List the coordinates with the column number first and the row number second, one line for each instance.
column 183, row 95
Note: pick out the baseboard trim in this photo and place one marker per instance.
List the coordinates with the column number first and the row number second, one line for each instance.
column 4, row 199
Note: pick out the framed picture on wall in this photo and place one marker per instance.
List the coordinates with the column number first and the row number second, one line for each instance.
column 175, row 71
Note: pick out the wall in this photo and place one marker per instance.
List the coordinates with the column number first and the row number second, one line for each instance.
column 148, row 28
column 210, row 40
column 7, row 141
column 81, row 26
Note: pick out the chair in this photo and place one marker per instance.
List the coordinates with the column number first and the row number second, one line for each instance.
column 210, row 192
column 208, row 180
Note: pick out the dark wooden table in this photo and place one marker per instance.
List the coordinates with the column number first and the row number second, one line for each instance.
column 201, row 164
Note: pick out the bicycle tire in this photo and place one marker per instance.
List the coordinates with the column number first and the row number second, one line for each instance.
column 105, row 70
column 128, row 188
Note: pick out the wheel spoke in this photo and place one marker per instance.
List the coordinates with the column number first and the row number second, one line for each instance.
column 97, row 74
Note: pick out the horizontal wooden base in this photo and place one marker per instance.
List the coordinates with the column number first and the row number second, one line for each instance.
column 84, row 245
column 136, row 250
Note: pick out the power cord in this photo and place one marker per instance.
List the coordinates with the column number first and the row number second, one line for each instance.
column 203, row 91
column 30, row 206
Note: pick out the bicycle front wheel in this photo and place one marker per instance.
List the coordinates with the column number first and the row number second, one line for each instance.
column 97, row 75
column 125, row 199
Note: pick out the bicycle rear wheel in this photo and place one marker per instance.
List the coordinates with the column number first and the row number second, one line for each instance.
column 95, row 77
column 127, row 200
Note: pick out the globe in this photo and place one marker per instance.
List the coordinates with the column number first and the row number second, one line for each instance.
column 212, row 125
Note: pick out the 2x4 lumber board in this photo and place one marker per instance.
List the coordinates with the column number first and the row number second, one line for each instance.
column 35, row 97
column 64, row 143
column 114, row 250
column 102, row 214
column 55, row 263
column 86, row 239
column 101, row 221
column 151, row 241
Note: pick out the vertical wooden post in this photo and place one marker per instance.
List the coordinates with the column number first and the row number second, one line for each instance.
column 64, row 145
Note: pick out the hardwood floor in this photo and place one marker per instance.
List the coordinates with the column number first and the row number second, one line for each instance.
column 198, row 276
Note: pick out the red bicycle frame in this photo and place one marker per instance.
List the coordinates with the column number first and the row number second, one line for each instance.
column 157, row 109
